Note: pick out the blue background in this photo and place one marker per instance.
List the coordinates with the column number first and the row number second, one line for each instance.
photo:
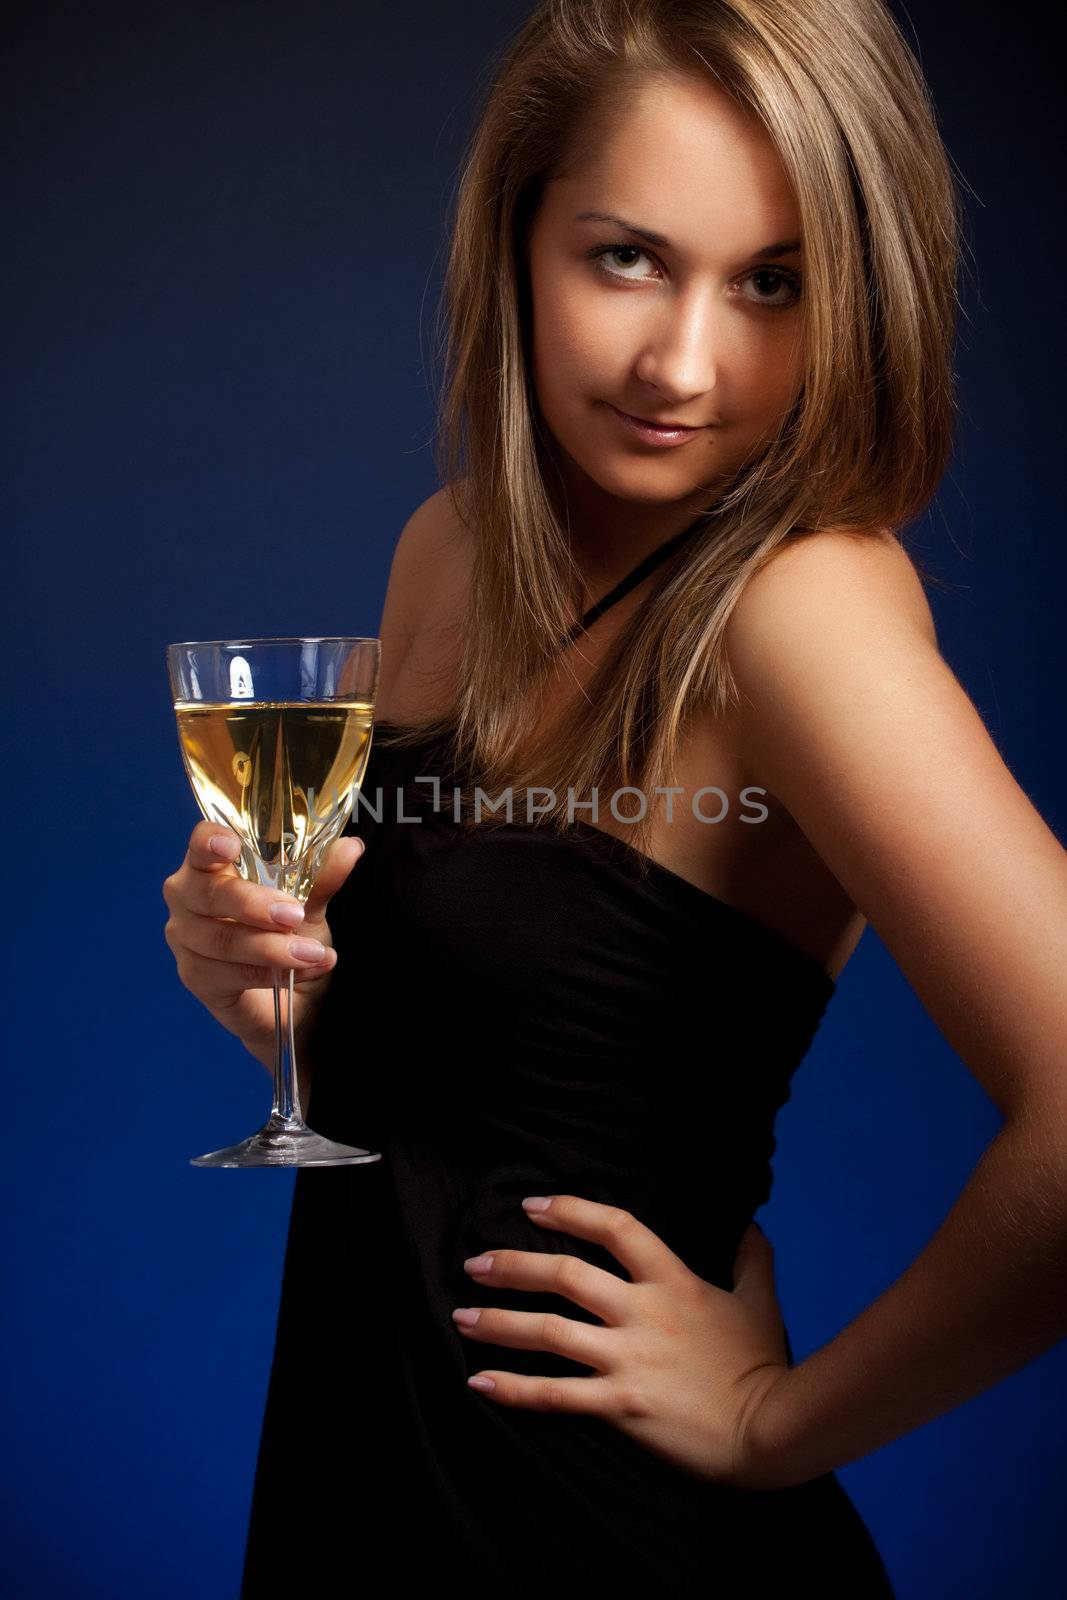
column 225, row 240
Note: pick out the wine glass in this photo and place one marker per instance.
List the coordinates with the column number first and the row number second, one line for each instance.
column 275, row 735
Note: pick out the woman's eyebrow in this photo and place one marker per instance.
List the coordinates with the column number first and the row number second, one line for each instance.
column 768, row 252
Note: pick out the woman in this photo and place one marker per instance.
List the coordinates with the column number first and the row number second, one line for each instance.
column 736, row 217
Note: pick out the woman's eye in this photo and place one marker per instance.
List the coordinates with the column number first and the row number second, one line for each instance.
column 617, row 250
column 779, row 280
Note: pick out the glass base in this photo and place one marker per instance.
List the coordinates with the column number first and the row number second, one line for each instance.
column 286, row 1143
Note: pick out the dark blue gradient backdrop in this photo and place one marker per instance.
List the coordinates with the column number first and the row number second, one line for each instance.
column 224, row 245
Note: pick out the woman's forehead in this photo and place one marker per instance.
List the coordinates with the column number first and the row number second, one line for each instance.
column 684, row 164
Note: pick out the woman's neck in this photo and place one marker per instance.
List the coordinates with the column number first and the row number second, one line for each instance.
column 609, row 535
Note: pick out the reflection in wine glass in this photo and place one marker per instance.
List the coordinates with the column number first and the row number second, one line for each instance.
column 275, row 735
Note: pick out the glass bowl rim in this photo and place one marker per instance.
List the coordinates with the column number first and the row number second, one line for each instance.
column 320, row 638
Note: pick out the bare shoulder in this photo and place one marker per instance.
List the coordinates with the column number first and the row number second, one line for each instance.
column 818, row 604
column 430, row 551
column 819, row 577
column 424, row 602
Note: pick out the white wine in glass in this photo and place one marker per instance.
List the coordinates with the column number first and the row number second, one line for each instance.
column 275, row 735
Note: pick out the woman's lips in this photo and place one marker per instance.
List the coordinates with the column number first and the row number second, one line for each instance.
column 652, row 433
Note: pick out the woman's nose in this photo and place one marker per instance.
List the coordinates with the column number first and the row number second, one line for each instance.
column 683, row 350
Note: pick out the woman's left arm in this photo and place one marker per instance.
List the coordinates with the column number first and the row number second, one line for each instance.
column 854, row 721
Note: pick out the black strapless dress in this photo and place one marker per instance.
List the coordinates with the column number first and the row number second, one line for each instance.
column 516, row 1012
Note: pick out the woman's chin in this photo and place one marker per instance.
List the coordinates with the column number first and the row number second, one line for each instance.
column 614, row 474
column 647, row 487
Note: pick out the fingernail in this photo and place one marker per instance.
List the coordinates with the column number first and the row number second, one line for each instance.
column 536, row 1202
column 478, row 1264
column 225, row 845
column 307, row 949
column 287, row 912
column 466, row 1316
column 488, row 1384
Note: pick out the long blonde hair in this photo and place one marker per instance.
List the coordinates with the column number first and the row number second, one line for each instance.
column 841, row 96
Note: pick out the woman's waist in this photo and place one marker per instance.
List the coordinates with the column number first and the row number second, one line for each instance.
column 451, row 1207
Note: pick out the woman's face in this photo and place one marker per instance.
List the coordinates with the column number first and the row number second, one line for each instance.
column 702, row 325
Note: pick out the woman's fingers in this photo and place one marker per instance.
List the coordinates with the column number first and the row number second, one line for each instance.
column 544, row 1331
column 602, row 1293
column 229, row 935
column 643, row 1253
column 209, row 885
column 337, row 863
column 235, row 944
column 220, row 984
column 591, row 1397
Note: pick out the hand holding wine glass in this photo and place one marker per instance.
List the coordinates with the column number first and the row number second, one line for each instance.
column 275, row 735
column 227, row 934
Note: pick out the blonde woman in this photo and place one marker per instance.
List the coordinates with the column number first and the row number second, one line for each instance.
column 700, row 304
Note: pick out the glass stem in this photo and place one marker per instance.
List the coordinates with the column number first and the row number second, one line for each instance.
column 286, row 1088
